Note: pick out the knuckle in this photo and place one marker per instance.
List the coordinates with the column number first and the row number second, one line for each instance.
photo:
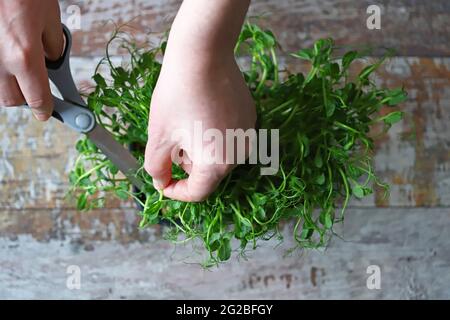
column 11, row 102
column 23, row 58
column 39, row 104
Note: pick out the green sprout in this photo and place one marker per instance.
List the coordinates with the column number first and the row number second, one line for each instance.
column 326, row 119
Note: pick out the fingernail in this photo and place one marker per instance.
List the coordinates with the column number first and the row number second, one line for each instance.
column 41, row 116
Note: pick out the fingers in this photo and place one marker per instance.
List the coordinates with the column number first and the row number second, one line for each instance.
column 202, row 181
column 53, row 36
column 32, row 78
column 33, row 32
column 11, row 95
column 158, row 163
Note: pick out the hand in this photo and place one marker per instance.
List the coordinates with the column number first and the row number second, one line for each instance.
column 30, row 31
column 200, row 82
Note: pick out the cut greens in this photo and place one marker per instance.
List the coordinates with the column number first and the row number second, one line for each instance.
column 326, row 120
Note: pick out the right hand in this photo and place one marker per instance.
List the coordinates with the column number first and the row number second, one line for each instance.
column 200, row 83
column 30, row 31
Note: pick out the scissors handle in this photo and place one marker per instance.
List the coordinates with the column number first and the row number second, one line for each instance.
column 72, row 110
column 78, row 118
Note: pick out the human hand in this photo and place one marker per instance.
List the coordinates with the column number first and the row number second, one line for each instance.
column 200, row 82
column 30, row 31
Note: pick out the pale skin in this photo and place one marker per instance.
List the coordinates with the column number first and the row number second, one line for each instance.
column 199, row 81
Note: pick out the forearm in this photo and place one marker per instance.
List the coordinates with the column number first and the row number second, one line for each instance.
column 208, row 28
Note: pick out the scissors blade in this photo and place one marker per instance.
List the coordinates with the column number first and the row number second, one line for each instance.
column 119, row 156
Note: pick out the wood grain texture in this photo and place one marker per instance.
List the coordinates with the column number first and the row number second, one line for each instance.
column 414, row 28
column 410, row 246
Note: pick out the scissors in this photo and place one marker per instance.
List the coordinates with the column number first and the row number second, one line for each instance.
column 74, row 113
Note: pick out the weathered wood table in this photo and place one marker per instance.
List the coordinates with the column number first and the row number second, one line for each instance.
column 407, row 235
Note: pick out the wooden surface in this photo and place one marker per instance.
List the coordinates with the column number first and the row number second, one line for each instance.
column 413, row 27
column 412, row 253
column 40, row 232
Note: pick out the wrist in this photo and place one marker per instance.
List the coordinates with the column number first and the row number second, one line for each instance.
column 207, row 29
column 197, row 50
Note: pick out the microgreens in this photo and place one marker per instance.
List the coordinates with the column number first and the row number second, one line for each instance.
column 325, row 119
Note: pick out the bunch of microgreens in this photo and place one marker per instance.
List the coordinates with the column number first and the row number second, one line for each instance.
column 325, row 120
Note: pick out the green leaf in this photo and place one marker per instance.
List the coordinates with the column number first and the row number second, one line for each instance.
column 91, row 146
column 73, row 177
column 320, row 180
column 245, row 222
column 330, row 108
column 334, row 71
column 348, row 58
column 393, row 117
column 82, row 202
column 304, row 145
column 151, row 211
column 358, row 191
column 328, row 220
column 85, row 182
column 245, row 34
column 318, row 161
column 113, row 169
column 99, row 80
column 323, row 46
column 80, row 145
column 396, row 97
column 296, row 184
column 306, row 233
column 214, row 241
column 123, row 193
column 225, row 250
column 266, row 38
column 305, row 54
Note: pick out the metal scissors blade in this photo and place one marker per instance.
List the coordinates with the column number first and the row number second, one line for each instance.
column 73, row 112
column 118, row 155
